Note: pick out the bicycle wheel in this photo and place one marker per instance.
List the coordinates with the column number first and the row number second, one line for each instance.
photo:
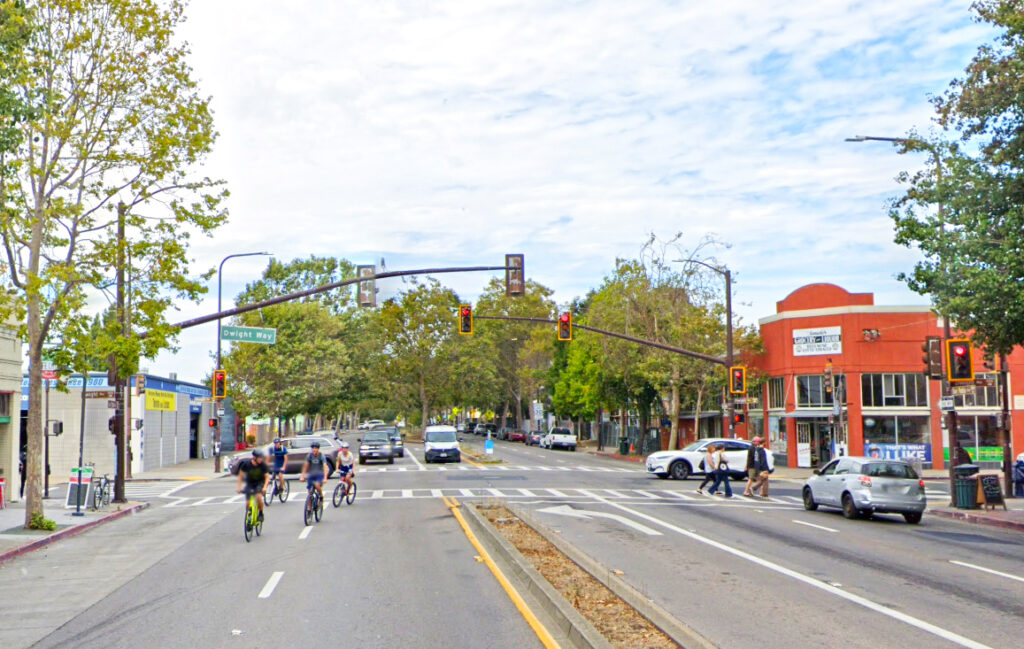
column 307, row 509
column 97, row 497
column 319, row 511
column 339, row 494
column 106, row 494
column 284, row 493
column 259, row 523
column 248, row 522
column 268, row 499
column 351, row 496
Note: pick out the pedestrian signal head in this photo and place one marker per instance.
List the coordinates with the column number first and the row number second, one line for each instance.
column 465, row 320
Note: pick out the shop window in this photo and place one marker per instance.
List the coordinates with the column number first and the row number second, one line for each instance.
column 811, row 392
column 903, row 437
column 894, row 390
column 5, row 404
column 983, row 396
column 777, row 392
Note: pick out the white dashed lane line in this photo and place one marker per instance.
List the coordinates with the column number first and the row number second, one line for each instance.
column 271, row 584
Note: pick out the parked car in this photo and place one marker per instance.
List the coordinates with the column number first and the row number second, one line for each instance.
column 461, row 427
column 533, row 438
column 866, row 486
column 559, row 438
column 395, row 436
column 689, row 461
column 515, row 435
column 298, row 449
column 375, row 445
column 441, row 444
column 368, row 425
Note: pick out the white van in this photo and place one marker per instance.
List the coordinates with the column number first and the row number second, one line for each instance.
column 441, row 444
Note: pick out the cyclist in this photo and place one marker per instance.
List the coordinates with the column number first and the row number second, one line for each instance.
column 280, row 455
column 346, row 465
column 255, row 473
column 313, row 470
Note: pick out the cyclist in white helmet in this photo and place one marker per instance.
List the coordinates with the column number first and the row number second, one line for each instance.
column 346, row 465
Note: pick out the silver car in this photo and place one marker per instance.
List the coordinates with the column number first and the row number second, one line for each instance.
column 865, row 486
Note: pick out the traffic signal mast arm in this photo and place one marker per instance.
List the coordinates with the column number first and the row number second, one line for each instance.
column 639, row 341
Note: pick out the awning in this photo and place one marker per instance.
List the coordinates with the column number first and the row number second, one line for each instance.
column 806, row 414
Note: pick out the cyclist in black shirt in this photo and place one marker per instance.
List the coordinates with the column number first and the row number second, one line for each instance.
column 255, row 474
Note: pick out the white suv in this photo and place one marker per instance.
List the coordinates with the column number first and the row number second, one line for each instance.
column 688, row 461
column 559, row 438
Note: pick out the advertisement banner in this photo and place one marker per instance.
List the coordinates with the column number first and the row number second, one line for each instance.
column 160, row 400
column 920, row 452
column 819, row 341
column 980, row 454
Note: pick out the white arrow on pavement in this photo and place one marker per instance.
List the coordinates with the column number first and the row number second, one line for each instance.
column 565, row 510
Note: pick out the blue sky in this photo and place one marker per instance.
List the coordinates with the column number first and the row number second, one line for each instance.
column 451, row 133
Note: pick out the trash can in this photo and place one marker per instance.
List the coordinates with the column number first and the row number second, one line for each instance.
column 623, row 446
column 966, row 492
column 966, row 470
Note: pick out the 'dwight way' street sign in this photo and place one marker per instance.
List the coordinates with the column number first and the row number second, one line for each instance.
column 249, row 335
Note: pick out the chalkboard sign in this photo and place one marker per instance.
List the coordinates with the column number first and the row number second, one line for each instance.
column 990, row 493
column 79, row 489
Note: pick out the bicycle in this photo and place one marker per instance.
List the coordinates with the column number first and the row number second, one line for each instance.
column 275, row 490
column 253, row 522
column 345, row 492
column 314, row 507
column 101, row 492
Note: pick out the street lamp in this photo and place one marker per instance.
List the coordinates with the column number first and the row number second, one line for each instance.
column 217, row 445
column 728, row 325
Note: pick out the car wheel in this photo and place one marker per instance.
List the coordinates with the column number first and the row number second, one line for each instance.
column 330, row 469
column 663, row 476
column 912, row 517
column 362, row 460
column 849, row 508
column 809, row 503
column 680, row 470
column 391, row 460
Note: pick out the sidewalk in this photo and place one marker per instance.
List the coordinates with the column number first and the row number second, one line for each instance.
column 15, row 540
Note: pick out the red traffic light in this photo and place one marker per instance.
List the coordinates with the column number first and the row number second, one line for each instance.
column 465, row 310
column 564, row 317
column 213, row 422
column 959, row 350
column 465, row 319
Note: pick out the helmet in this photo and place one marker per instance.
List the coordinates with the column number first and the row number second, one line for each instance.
column 343, row 444
column 277, row 440
column 258, row 452
column 315, row 445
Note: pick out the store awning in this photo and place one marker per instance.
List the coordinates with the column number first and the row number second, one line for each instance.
column 805, row 414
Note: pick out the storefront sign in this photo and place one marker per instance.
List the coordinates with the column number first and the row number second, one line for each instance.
column 922, row 452
column 160, row 400
column 820, row 341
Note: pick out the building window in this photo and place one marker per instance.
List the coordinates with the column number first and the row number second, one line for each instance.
column 777, row 393
column 811, row 391
column 983, row 397
column 979, row 436
column 904, row 437
column 5, row 404
column 894, row 390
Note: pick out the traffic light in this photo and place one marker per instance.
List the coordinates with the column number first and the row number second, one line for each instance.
column 737, row 380
column 959, row 366
column 738, row 418
column 827, row 375
column 932, row 357
column 220, row 384
column 465, row 320
column 58, row 428
column 213, row 422
column 565, row 327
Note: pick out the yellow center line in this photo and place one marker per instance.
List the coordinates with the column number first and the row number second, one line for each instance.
column 466, row 459
column 538, row 627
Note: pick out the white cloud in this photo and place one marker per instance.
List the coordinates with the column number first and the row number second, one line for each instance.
column 453, row 132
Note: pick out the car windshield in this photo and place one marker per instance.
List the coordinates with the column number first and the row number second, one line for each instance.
column 695, row 446
column 440, row 436
column 889, row 470
column 375, row 437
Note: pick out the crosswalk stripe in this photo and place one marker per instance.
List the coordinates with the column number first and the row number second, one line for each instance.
column 556, row 492
column 466, row 492
column 406, row 493
column 613, row 493
column 527, row 493
column 377, row 493
column 676, row 494
column 495, row 492
column 648, row 494
column 436, row 493
column 203, row 501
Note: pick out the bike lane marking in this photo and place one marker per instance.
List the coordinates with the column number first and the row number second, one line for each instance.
column 988, row 570
column 817, row 527
column 268, row 589
column 305, row 532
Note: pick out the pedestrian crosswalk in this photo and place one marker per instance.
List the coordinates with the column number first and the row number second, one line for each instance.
column 155, row 489
column 646, row 496
column 497, row 468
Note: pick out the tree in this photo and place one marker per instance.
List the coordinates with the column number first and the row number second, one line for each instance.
column 103, row 179
column 965, row 210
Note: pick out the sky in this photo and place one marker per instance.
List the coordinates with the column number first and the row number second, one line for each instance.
column 450, row 133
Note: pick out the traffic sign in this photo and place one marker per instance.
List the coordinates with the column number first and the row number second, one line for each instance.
column 49, row 375
column 946, row 403
column 249, row 335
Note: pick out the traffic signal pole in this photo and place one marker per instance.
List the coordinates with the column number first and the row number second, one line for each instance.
column 951, row 423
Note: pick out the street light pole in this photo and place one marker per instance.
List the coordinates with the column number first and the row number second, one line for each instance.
column 729, row 353
column 216, row 403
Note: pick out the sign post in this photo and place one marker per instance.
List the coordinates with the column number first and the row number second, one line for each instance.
column 79, row 488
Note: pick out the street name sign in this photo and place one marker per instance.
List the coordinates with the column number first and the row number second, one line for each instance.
column 249, row 335
column 962, row 390
column 946, row 403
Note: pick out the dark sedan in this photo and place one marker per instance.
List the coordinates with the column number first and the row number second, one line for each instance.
column 395, row 435
column 376, row 445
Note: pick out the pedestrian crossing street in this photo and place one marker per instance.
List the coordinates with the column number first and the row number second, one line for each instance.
column 560, row 494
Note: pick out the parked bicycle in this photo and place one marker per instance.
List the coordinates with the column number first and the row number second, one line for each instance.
column 345, row 491
column 101, row 492
column 276, row 490
column 314, row 507
column 253, row 521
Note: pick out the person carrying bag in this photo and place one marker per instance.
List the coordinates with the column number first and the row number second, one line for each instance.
column 721, row 464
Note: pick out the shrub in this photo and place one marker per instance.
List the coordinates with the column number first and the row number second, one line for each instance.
column 39, row 522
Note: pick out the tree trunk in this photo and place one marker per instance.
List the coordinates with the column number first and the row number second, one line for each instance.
column 504, row 416
column 673, row 437
column 424, row 404
column 696, row 413
column 34, row 433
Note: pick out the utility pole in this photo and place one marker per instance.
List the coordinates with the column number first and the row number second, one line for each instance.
column 951, row 424
column 1004, row 432
column 119, row 418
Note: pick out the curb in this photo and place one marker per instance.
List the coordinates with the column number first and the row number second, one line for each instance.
column 575, row 630
column 680, row 633
column 616, row 456
column 68, row 532
column 1016, row 526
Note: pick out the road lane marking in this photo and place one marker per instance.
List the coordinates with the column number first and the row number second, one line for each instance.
column 810, row 581
column 436, row 493
column 794, row 499
column 237, row 498
column 203, row 501
column 527, row 493
column 271, row 585
column 988, row 570
column 403, row 468
column 647, row 494
column 466, row 493
column 556, row 492
column 817, row 527
column 538, row 627
column 613, row 493
column 377, row 493
column 305, row 532
column 494, row 492
column 407, row 493
column 413, row 457
column 440, row 468
column 566, row 510
column 177, row 501
column 676, row 494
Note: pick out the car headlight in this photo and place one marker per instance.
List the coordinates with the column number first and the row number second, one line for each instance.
column 364, row 447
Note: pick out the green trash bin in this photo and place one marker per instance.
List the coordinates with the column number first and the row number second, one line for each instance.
column 966, row 493
column 623, row 446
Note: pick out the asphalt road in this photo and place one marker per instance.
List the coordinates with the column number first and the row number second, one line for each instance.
column 395, row 569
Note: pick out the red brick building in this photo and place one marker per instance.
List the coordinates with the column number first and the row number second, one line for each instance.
column 882, row 402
